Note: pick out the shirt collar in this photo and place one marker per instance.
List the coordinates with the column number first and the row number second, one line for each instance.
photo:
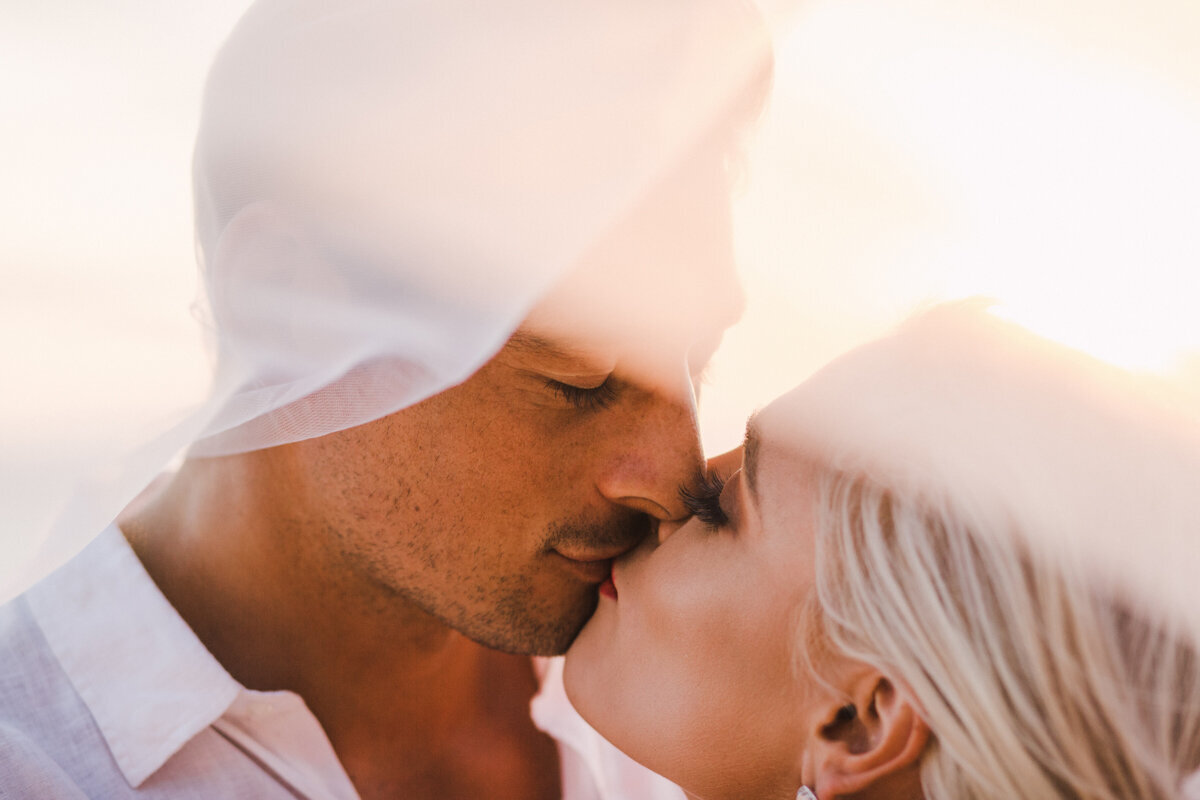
column 148, row 681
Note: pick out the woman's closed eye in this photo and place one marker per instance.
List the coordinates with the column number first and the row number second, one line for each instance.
column 702, row 499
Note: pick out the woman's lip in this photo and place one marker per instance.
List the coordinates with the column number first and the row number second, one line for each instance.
column 609, row 587
column 596, row 571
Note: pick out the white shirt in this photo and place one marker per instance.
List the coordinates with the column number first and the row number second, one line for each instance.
column 105, row 692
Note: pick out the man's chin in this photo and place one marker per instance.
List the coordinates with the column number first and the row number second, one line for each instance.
column 519, row 633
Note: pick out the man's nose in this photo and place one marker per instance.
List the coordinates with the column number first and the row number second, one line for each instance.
column 660, row 452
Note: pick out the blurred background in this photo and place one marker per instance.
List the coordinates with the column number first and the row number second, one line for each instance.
column 1040, row 153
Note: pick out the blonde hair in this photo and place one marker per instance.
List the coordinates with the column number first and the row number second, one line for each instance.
column 1036, row 681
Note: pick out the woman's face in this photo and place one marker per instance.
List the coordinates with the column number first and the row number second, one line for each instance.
column 691, row 668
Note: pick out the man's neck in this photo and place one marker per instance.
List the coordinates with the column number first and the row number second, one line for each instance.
column 412, row 707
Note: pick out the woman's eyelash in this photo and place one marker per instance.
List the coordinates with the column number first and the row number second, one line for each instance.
column 702, row 499
column 588, row 399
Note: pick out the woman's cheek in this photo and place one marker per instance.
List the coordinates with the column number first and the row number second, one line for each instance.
column 678, row 604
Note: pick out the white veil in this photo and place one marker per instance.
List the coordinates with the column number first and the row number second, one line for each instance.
column 1043, row 154
column 383, row 190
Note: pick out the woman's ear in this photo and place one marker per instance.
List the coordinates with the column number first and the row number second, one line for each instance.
column 870, row 747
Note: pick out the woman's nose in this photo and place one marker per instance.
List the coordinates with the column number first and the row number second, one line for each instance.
column 727, row 463
column 668, row 527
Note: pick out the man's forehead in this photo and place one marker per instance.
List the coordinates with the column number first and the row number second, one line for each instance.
column 588, row 329
column 614, row 306
column 662, row 276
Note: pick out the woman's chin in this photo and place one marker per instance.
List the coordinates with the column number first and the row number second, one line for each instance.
column 599, row 681
column 604, row 678
column 584, row 665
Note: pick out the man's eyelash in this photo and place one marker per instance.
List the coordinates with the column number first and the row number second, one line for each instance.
column 702, row 499
column 588, row 399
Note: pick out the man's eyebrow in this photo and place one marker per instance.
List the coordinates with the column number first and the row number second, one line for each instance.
column 750, row 452
column 532, row 344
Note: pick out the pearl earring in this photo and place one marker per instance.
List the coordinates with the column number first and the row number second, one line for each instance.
column 805, row 793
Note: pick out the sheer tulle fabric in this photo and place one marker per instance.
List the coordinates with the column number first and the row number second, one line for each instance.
column 383, row 189
column 1088, row 465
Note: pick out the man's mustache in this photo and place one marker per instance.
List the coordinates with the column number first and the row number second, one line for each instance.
column 620, row 533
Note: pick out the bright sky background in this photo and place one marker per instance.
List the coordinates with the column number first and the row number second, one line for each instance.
column 1045, row 155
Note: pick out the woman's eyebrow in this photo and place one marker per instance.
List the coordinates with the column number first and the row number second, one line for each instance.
column 750, row 452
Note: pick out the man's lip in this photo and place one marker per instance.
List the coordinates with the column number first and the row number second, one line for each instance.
column 591, row 570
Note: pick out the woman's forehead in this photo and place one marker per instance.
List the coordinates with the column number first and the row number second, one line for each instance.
column 782, row 474
column 778, row 432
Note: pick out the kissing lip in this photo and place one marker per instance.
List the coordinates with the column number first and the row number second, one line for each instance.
column 609, row 587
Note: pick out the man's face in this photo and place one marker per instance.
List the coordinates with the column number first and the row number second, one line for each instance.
column 498, row 505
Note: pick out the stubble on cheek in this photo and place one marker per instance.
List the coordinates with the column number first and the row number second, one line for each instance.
column 521, row 603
